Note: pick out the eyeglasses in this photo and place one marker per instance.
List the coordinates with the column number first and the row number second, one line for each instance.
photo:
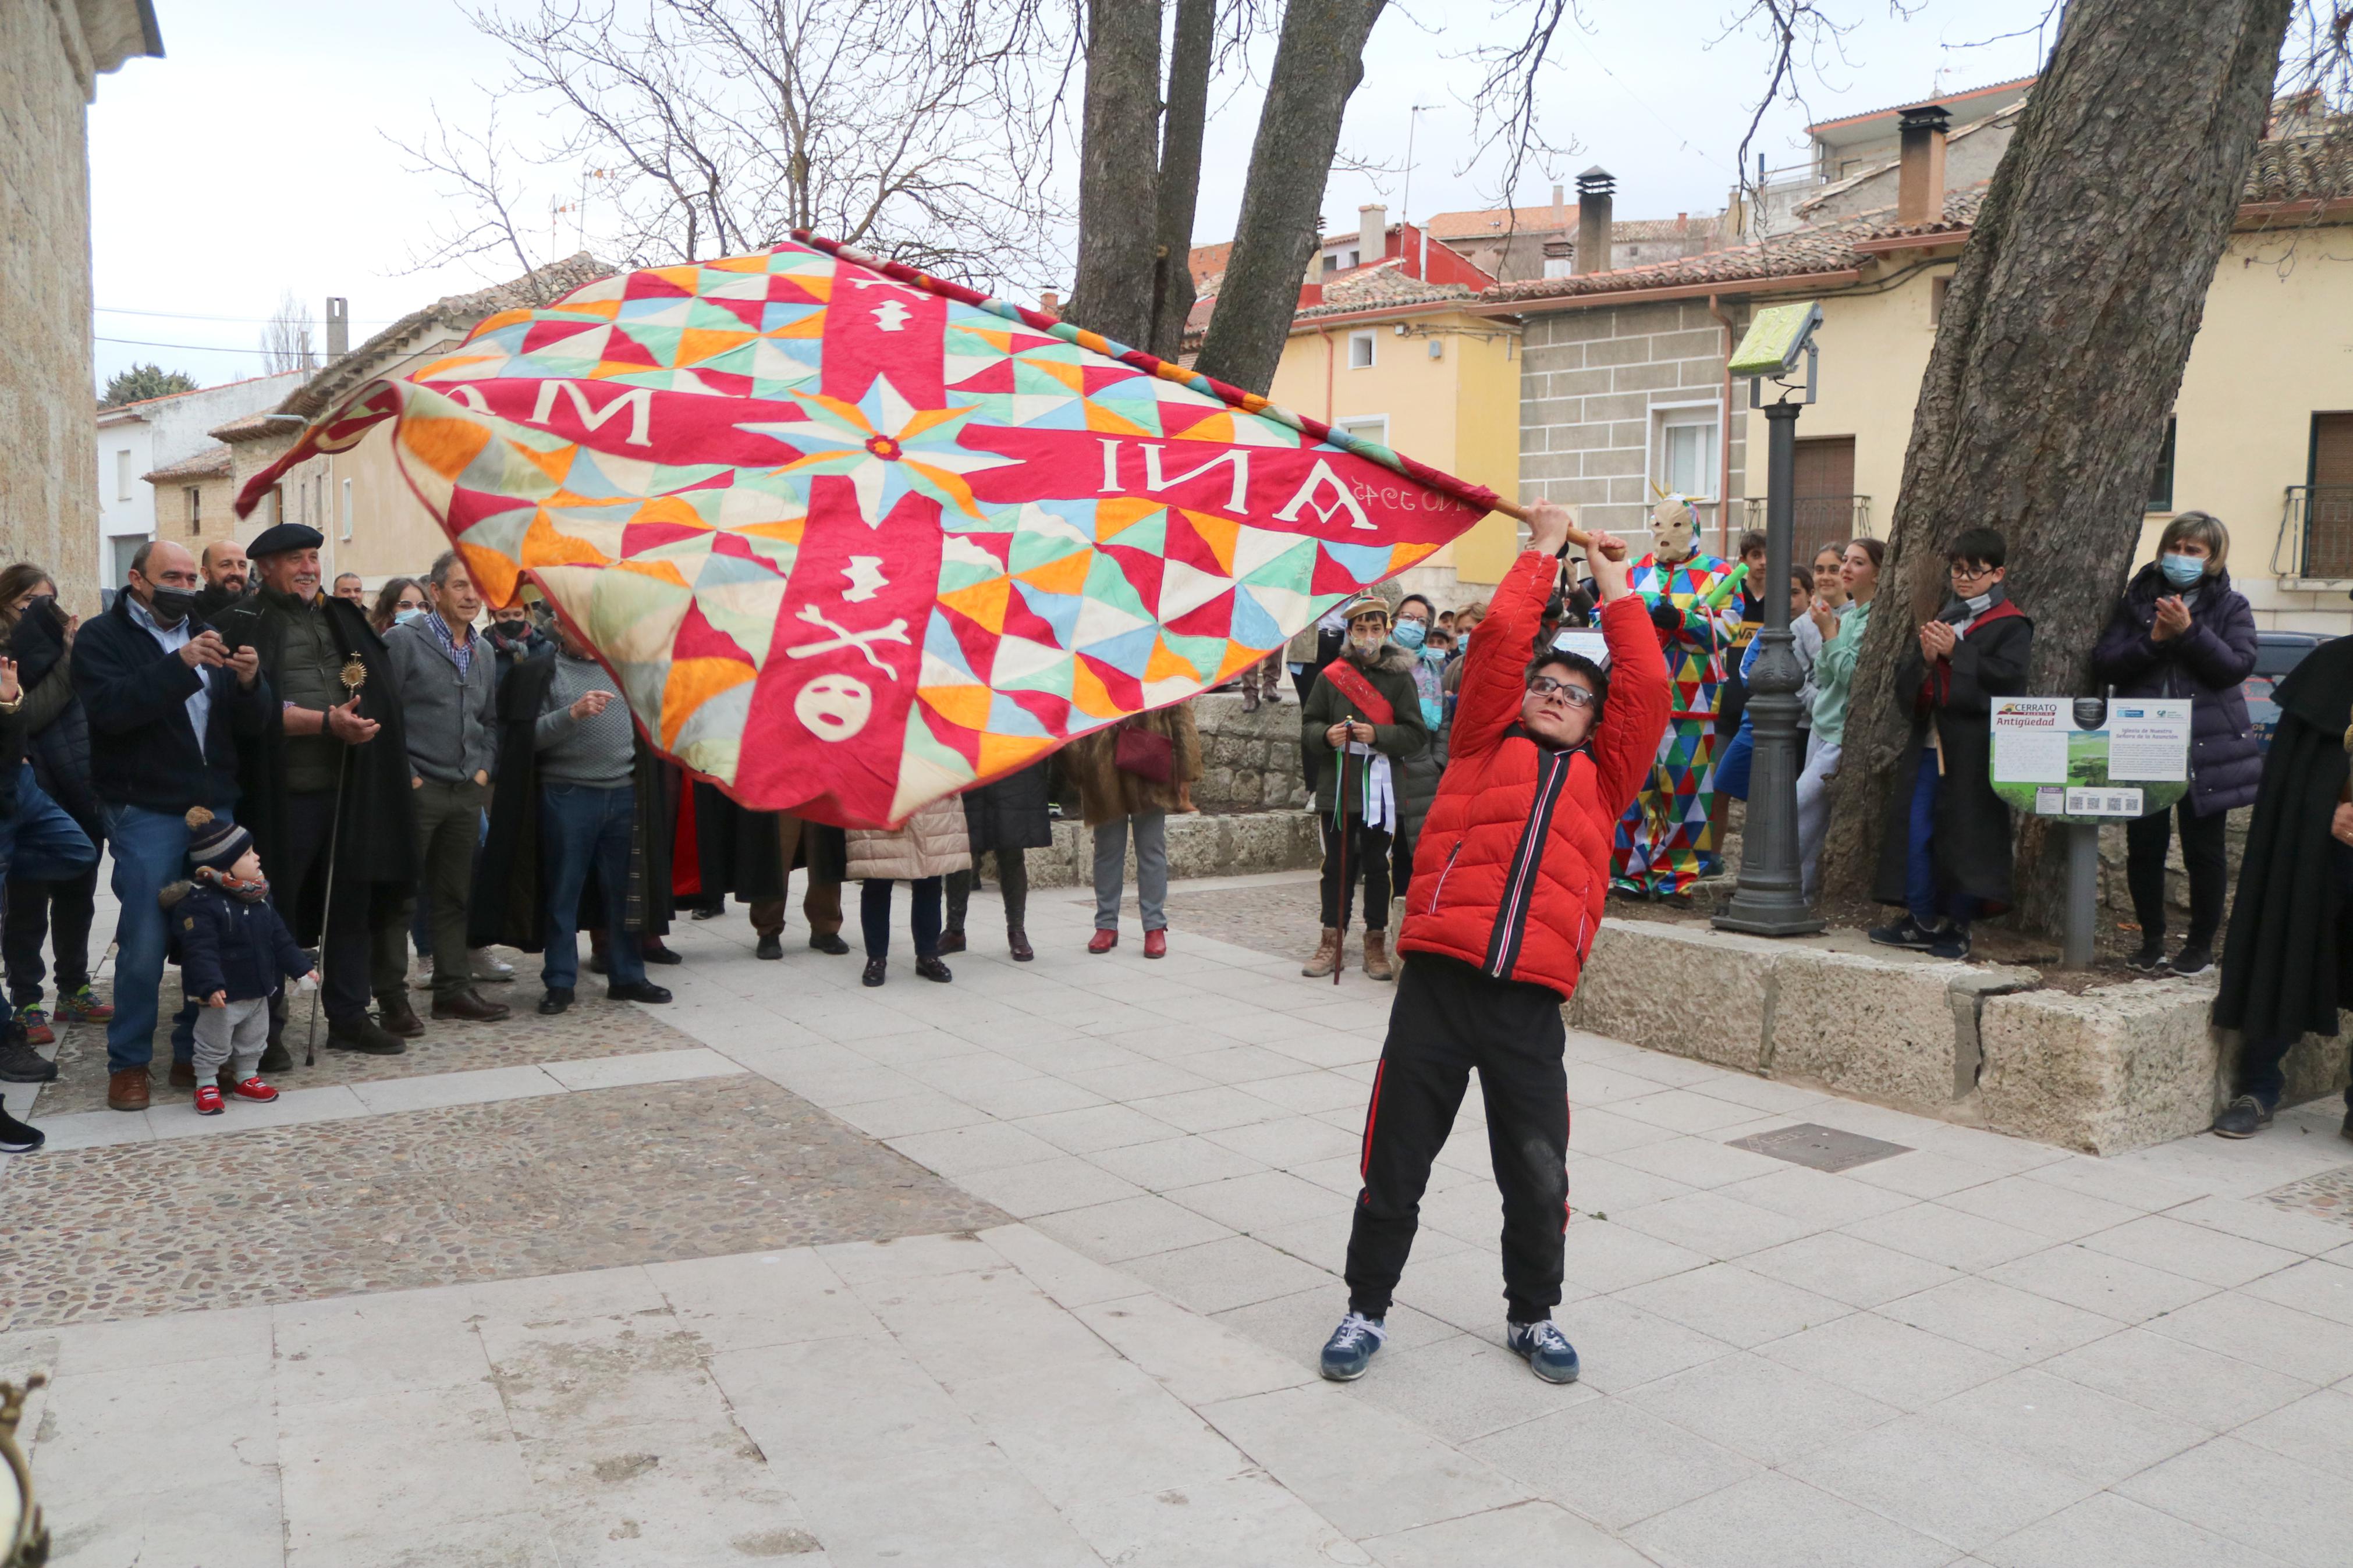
column 1962, row 574
column 1575, row 696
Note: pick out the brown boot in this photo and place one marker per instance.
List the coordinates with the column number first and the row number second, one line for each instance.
column 1327, row 955
column 1377, row 956
column 127, row 1089
column 469, row 1006
column 393, row 1012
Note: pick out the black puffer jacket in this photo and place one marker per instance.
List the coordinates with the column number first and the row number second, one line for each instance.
column 2205, row 664
column 237, row 946
column 58, row 745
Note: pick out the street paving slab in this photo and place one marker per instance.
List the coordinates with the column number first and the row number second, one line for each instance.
column 1033, row 1269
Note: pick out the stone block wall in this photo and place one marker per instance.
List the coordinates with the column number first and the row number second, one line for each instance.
column 1590, row 380
column 1250, row 761
column 48, row 463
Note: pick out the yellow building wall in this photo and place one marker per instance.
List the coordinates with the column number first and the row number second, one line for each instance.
column 1459, row 411
column 1874, row 349
column 2274, row 347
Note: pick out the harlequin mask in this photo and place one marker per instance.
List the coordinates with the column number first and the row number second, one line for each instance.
column 1674, row 528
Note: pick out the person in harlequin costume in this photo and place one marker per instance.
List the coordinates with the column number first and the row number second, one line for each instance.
column 1667, row 840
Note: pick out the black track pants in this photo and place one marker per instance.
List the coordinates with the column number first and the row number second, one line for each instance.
column 1449, row 1017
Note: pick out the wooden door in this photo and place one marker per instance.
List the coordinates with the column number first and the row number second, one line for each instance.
column 1823, row 493
column 2328, row 505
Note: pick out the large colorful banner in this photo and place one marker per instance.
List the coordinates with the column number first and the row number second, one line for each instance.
column 850, row 538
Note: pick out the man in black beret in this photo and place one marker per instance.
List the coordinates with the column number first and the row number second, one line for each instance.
column 329, row 752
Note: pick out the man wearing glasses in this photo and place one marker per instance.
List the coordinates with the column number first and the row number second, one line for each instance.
column 1508, row 882
column 1945, row 858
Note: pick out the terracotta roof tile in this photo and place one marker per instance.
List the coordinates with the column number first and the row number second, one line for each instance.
column 211, row 463
column 1481, row 222
column 2301, row 169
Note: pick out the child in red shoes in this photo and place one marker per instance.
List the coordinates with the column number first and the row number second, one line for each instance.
column 233, row 950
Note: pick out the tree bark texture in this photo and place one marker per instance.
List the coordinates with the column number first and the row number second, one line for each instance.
column 1192, row 53
column 2060, row 351
column 1119, row 159
column 1318, row 62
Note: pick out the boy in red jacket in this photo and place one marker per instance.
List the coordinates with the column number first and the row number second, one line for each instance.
column 1508, row 881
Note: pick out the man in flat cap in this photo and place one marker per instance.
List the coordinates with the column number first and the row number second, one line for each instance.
column 329, row 768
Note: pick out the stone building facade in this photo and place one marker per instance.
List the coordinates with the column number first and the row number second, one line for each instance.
column 1616, row 398
column 52, row 53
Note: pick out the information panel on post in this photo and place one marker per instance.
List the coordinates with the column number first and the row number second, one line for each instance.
column 2049, row 765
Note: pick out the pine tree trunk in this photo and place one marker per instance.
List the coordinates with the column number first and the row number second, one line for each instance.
column 2060, row 351
column 1119, row 160
column 1318, row 62
column 1192, row 50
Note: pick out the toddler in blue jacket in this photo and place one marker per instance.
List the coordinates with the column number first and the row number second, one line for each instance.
column 234, row 952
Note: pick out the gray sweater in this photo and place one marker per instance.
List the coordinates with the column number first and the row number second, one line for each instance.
column 450, row 721
column 598, row 752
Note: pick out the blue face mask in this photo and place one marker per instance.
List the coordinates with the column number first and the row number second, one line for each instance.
column 404, row 616
column 1409, row 633
column 2182, row 571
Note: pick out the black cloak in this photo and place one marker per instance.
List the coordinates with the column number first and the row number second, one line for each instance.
column 377, row 843
column 2287, row 963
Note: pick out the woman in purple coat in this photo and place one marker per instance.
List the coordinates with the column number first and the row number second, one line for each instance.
column 2181, row 631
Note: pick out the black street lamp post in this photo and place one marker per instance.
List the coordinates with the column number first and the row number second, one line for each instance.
column 1770, row 899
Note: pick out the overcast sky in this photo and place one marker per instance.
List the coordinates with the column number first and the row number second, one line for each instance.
column 251, row 159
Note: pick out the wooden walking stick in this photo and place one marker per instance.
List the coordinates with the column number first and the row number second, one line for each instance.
column 354, row 676
column 1340, row 837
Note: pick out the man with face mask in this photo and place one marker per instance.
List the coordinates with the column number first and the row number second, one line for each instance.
column 228, row 577
column 332, row 751
column 1363, row 717
column 169, row 701
column 1667, row 840
column 514, row 636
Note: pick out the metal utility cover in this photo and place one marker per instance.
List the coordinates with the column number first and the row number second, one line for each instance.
column 1820, row 1148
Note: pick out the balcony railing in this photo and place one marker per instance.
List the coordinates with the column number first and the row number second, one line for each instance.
column 1820, row 520
column 2315, row 538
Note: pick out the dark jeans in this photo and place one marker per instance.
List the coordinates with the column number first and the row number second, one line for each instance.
column 580, row 826
column 1929, row 902
column 1012, row 881
column 344, row 954
column 59, row 912
column 923, row 916
column 2146, row 841
column 1368, row 860
column 1448, row 1019
column 150, row 849
column 2259, row 1059
column 42, row 844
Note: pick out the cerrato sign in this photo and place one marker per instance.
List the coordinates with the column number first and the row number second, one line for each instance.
column 2083, row 761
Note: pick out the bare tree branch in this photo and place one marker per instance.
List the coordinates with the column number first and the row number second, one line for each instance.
column 289, row 338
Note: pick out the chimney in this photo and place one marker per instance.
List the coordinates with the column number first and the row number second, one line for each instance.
column 1314, row 277
column 1372, row 233
column 1049, row 303
column 1920, row 169
column 1595, row 189
column 339, row 329
column 1559, row 198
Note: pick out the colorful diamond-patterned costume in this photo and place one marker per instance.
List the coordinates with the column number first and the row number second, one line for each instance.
column 850, row 538
column 1667, row 840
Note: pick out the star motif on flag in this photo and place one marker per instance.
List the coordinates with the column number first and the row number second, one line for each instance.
column 885, row 448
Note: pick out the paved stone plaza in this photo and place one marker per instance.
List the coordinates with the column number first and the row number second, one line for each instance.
column 1032, row 1270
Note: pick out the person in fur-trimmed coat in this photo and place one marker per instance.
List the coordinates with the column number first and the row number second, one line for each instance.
column 1362, row 718
column 1114, row 799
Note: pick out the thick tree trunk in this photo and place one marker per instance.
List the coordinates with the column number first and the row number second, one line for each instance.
column 1318, row 62
column 1190, row 54
column 1119, row 159
column 2061, row 350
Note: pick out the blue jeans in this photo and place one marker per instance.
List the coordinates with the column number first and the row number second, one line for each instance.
column 40, row 843
column 579, row 828
column 1929, row 902
column 151, row 849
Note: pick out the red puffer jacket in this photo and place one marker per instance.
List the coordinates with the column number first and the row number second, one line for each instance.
column 1514, row 856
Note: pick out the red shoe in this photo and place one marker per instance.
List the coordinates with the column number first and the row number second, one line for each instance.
column 1103, row 941
column 208, row 1101
column 253, row 1089
column 1156, row 943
